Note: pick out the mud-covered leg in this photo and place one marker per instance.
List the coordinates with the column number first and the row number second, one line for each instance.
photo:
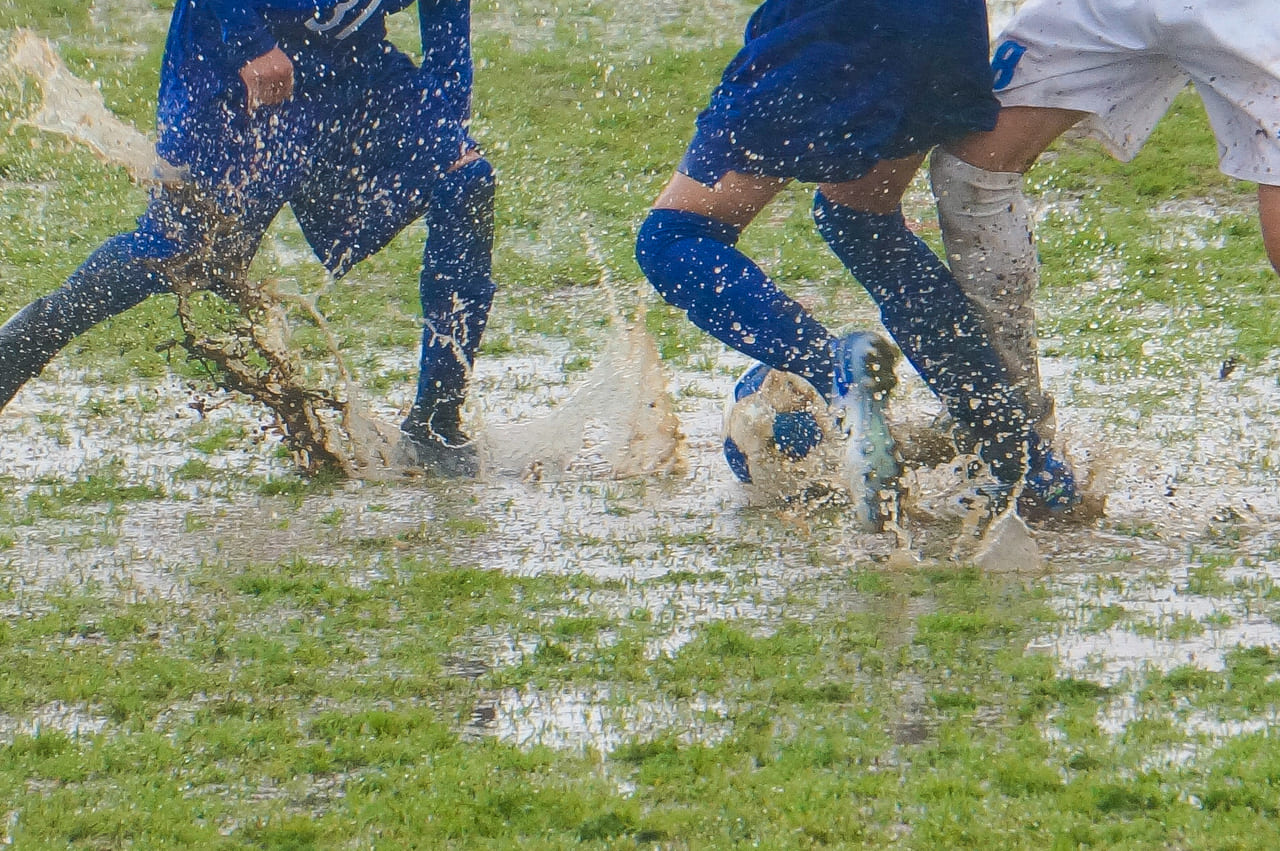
column 120, row 274
column 928, row 315
column 457, row 290
column 991, row 251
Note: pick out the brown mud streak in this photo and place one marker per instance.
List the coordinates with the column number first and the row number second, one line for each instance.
column 275, row 384
column 250, row 355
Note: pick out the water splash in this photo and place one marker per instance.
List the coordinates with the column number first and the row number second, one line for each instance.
column 618, row 423
column 75, row 109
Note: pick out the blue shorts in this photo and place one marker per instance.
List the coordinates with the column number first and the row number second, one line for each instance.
column 355, row 156
column 824, row 89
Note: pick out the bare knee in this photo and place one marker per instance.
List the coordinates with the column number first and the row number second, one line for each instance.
column 736, row 199
column 879, row 190
column 1021, row 135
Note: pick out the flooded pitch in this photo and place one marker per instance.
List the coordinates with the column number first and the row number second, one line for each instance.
column 1180, row 481
column 606, row 608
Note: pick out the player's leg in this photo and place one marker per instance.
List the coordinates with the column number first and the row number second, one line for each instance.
column 445, row 26
column 1231, row 57
column 1058, row 63
column 113, row 279
column 167, row 249
column 1021, row 135
column 933, row 322
column 987, row 233
column 687, row 249
column 457, row 290
column 1269, row 213
column 400, row 152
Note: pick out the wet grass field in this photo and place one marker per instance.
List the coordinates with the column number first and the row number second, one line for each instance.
column 200, row 648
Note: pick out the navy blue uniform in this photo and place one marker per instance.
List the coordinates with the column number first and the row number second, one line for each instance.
column 823, row 89
column 364, row 147
column 355, row 151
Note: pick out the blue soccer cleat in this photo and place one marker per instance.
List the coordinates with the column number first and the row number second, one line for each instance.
column 1049, row 492
column 864, row 375
column 1049, row 487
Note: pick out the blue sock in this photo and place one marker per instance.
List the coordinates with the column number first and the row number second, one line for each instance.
column 692, row 262
column 122, row 273
column 456, row 290
column 115, row 278
column 937, row 329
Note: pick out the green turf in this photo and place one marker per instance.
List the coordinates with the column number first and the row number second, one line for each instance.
column 297, row 702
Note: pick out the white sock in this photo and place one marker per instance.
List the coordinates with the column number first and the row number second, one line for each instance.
column 990, row 247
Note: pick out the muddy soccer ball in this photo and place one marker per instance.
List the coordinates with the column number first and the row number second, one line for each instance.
column 783, row 440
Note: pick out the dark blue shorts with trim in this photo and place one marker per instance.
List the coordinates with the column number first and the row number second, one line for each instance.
column 824, row 89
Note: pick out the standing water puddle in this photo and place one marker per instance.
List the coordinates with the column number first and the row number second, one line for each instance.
column 1140, row 591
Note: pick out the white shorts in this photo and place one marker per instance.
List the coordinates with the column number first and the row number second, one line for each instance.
column 1123, row 61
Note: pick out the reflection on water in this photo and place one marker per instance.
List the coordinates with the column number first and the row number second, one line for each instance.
column 594, row 718
column 72, row 721
column 1177, row 479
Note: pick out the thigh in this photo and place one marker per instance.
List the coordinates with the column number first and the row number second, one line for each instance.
column 1021, row 134
column 242, row 160
column 1105, row 58
column 383, row 145
column 735, row 199
column 189, row 236
column 879, row 190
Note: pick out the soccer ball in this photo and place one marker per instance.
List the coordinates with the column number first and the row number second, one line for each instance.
column 780, row 419
column 784, row 441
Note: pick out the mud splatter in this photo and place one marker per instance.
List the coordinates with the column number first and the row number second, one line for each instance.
column 74, row 108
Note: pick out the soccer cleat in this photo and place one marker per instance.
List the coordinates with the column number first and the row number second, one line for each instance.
column 1049, row 486
column 436, row 457
column 439, row 447
column 863, row 376
column 1049, row 493
column 863, row 362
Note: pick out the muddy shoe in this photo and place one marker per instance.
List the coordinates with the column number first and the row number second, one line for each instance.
column 436, row 456
column 864, row 376
column 991, row 499
column 1050, row 481
column 1053, row 496
column 1087, row 508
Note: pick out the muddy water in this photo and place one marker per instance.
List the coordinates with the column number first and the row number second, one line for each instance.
column 1176, row 480
column 1180, row 476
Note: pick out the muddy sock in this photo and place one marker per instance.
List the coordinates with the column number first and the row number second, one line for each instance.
column 456, row 289
column 692, row 262
column 991, row 251
column 113, row 279
column 28, row 342
column 936, row 327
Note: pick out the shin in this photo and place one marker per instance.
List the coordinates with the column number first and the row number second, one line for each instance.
column 457, row 290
